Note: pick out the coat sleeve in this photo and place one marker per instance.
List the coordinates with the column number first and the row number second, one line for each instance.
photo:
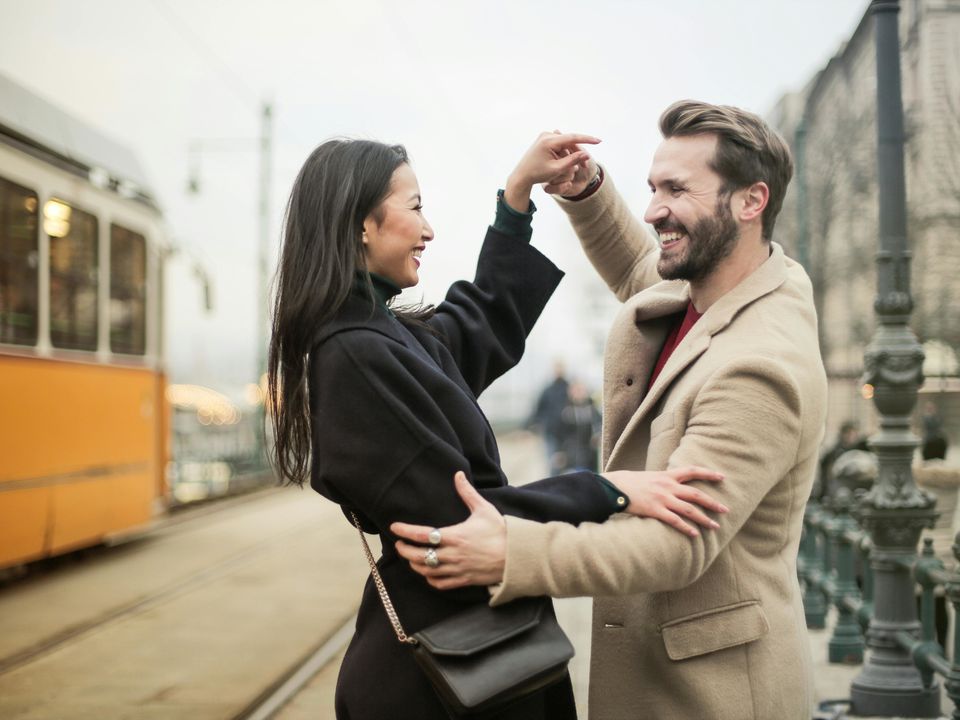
column 383, row 447
column 485, row 324
column 754, row 440
column 616, row 243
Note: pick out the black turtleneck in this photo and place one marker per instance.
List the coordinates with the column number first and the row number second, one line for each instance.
column 384, row 290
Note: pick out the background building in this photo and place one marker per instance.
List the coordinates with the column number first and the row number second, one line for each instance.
column 829, row 221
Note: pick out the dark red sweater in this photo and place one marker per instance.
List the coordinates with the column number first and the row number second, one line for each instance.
column 677, row 334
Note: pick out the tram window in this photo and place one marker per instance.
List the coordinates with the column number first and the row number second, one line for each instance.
column 73, row 275
column 18, row 264
column 128, row 290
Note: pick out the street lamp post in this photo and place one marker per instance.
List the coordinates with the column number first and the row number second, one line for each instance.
column 895, row 510
column 800, row 156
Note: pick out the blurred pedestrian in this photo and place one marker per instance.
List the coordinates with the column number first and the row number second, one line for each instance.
column 546, row 420
column 376, row 403
column 579, row 430
column 848, row 438
column 934, row 439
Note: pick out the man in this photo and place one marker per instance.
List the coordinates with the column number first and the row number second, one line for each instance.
column 717, row 365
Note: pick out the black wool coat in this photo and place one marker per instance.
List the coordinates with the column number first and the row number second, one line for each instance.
column 395, row 415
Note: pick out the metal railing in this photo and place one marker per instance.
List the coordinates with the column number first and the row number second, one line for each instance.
column 835, row 569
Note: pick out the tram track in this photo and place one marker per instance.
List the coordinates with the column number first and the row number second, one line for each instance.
column 288, row 685
column 79, row 631
column 217, row 615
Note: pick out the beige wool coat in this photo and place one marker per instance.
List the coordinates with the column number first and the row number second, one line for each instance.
column 707, row 628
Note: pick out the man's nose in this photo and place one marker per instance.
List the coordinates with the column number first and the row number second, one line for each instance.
column 656, row 211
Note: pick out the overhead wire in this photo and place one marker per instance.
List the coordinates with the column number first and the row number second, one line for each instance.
column 200, row 46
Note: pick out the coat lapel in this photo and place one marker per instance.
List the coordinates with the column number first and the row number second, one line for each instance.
column 651, row 310
column 634, row 343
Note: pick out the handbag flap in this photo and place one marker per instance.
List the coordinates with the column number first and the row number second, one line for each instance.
column 481, row 627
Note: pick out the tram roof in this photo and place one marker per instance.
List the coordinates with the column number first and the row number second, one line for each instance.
column 43, row 127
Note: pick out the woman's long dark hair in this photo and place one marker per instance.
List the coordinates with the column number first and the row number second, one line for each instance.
column 340, row 184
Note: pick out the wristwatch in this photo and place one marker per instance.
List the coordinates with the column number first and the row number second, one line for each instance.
column 591, row 187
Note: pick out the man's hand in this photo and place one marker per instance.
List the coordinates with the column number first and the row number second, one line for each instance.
column 574, row 181
column 471, row 553
column 662, row 495
column 554, row 158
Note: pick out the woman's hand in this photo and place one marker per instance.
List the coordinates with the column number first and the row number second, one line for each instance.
column 573, row 182
column 554, row 158
column 662, row 495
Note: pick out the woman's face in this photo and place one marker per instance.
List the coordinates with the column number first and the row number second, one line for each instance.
column 394, row 246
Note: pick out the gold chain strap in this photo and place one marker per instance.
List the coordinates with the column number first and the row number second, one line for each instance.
column 381, row 588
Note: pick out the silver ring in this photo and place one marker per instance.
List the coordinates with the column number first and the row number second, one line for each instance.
column 434, row 537
column 430, row 558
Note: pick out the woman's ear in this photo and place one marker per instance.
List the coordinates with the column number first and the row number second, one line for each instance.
column 369, row 228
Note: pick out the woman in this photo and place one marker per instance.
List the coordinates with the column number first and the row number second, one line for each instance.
column 378, row 404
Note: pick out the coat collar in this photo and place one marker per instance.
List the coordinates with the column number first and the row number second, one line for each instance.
column 360, row 310
column 671, row 297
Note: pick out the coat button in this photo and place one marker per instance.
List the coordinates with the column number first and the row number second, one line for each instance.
column 629, row 381
column 621, row 501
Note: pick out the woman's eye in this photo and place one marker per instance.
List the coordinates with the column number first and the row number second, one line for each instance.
column 418, row 208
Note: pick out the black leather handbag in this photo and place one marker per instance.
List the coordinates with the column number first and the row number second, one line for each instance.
column 484, row 658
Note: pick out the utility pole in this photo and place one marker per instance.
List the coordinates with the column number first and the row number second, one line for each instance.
column 262, row 315
column 895, row 510
column 263, row 260
column 263, row 273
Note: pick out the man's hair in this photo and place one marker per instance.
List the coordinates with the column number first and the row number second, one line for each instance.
column 748, row 150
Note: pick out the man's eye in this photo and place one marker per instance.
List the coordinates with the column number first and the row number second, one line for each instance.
column 676, row 190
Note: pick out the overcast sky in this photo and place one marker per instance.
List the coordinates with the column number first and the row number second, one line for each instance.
column 465, row 86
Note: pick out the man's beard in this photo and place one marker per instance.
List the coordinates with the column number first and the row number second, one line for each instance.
column 708, row 242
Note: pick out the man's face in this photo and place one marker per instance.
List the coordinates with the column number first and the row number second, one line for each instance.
column 688, row 210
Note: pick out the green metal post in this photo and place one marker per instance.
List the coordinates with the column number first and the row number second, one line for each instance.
column 927, row 563
column 814, row 604
column 952, row 683
column 846, row 643
column 866, row 609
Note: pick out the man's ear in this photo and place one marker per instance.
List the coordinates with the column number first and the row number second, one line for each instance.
column 755, row 199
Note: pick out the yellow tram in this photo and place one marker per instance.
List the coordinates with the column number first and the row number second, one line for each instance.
column 83, row 418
